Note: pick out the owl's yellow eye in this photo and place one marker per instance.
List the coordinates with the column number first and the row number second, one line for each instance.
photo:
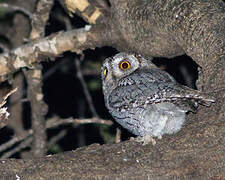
column 124, row 65
column 105, row 72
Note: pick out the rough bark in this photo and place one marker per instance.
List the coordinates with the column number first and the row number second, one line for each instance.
column 171, row 158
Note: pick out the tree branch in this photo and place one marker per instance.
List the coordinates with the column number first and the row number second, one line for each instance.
column 174, row 160
column 51, row 46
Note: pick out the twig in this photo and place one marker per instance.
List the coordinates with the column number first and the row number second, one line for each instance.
column 56, row 121
column 86, row 92
column 14, row 140
column 56, row 138
column 16, row 8
column 22, row 145
column 93, row 120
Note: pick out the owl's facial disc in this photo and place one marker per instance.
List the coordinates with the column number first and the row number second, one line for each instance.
column 117, row 67
column 123, row 64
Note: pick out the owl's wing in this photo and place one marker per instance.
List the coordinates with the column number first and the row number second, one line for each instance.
column 169, row 89
column 186, row 93
column 185, row 97
column 148, row 87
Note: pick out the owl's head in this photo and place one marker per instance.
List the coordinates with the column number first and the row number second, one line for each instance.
column 119, row 66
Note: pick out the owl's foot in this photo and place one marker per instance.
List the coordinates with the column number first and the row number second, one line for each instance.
column 145, row 140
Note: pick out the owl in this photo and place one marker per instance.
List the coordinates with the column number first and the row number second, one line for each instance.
column 145, row 100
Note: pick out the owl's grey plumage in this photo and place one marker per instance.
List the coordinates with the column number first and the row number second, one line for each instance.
column 144, row 99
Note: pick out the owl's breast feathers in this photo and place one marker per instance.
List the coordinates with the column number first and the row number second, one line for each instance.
column 145, row 87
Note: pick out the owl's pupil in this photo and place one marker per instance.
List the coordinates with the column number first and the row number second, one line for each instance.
column 125, row 65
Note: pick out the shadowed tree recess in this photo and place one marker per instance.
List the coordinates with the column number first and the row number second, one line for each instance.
column 156, row 28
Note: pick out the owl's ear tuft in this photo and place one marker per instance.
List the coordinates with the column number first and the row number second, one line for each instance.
column 138, row 56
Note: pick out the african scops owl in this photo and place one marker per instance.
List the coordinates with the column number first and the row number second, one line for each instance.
column 144, row 99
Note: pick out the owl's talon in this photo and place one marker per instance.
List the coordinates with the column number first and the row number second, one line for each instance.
column 146, row 140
